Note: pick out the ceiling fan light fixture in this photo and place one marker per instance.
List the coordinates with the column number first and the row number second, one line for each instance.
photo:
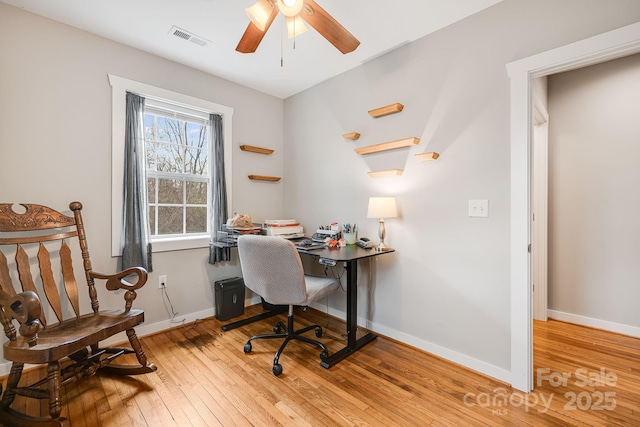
column 295, row 26
column 259, row 13
column 290, row 7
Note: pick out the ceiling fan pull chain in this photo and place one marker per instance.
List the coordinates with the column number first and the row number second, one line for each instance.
column 284, row 27
column 294, row 33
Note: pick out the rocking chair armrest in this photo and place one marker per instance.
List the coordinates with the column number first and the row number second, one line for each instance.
column 118, row 280
column 26, row 309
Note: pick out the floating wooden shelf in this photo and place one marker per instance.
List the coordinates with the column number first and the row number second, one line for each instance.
column 385, row 173
column 386, row 110
column 425, row 157
column 351, row 136
column 256, row 149
column 264, row 178
column 400, row 143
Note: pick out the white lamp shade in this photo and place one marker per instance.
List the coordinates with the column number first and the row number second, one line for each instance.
column 259, row 13
column 295, row 26
column 382, row 207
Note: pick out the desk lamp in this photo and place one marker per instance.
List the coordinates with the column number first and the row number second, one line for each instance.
column 382, row 207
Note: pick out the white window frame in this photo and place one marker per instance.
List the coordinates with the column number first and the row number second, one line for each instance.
column 120, row 86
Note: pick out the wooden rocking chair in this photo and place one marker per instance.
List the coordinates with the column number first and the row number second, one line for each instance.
column 70, row 348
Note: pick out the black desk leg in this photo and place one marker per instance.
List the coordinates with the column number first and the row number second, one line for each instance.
column 353, row 344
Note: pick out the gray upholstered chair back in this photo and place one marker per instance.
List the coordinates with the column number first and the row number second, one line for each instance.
column 271, row 267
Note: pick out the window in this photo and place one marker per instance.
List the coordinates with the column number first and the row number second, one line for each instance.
column 178, row 155
column 177, row 147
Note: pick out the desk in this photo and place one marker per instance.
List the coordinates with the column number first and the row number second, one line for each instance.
column 349, row 255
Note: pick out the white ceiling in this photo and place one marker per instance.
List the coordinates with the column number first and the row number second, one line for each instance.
column 380, row 25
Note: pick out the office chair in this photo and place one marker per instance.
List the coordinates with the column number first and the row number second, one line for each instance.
column 272, row 268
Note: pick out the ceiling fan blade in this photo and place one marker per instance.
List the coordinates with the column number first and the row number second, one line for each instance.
column 328, row 27
column 253, row 36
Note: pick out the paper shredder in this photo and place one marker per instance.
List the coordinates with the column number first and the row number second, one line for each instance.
column 229, row 295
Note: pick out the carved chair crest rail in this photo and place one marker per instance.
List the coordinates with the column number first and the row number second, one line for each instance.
column 69, row 344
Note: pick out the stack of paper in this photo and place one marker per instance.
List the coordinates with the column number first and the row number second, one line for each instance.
column 232, row 233
column 280, row 222
column 287, row 228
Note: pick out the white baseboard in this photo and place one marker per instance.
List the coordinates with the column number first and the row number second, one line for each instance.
column 435, row 349
column 448, row 354
column 619, row 328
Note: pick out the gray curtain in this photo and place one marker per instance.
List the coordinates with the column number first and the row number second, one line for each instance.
column 135, row 241
column 219, row 191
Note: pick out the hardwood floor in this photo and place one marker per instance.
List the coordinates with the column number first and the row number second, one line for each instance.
column 585, row 377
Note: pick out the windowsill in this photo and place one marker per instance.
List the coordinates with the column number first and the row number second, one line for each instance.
column 180, row 243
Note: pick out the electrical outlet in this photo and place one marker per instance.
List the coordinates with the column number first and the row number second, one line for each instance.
column 162, row 281
column 479, row 208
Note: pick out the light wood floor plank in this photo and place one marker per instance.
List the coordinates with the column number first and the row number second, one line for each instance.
column 177, row 374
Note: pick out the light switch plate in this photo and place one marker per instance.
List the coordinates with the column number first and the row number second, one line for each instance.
column 479, row 208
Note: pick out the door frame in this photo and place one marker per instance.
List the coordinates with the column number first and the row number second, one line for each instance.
column 539, row 217
column 604, row 47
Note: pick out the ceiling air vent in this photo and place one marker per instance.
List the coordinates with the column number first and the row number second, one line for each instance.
column 184, row 34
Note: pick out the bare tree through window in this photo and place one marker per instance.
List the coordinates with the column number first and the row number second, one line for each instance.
column 177, row 155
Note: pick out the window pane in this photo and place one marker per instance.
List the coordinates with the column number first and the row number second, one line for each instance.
column 165, row 129
column 150, row 154
column 196, row 220
column 196, row 193
column 176, row 131
column 170, row 191
column 170, row 158
column 149, row 128
column 197, row 135
column 196, row 161
column 169, row 220
column 152, row 219
column 151, row 190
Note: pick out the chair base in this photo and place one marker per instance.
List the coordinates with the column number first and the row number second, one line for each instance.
column 289, row 334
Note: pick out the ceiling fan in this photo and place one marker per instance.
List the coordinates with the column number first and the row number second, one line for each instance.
column 263, row 13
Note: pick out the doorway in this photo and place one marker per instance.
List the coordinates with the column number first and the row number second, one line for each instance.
column 611, row 45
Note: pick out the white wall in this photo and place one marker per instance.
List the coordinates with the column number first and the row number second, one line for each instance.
column 594, row 170
column 446, row 288
column 55, row 144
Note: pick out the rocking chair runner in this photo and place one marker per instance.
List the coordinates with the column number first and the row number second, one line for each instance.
column 70, row 348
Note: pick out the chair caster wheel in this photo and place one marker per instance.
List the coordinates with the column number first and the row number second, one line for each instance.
column 319, row 332
column 277, row 369
column 278, row 328
column 247, row 347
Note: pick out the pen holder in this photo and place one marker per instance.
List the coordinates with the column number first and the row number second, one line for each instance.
column 350, row 238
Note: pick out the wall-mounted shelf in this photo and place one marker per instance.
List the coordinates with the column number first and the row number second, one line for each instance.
column 264, row 178
column 386, row 110
column 256, row 149
column 385, row 173
column 351, row 136
column 392, row 145
column 425, row 157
